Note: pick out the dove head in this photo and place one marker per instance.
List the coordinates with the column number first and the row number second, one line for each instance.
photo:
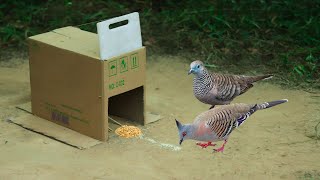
column 185, row 131
column 196, row 67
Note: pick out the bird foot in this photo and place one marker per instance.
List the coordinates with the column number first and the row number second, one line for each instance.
column 220, row 149
column 205, row 145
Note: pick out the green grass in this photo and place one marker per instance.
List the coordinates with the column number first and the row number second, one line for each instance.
column 308, row 175
column 281, row 37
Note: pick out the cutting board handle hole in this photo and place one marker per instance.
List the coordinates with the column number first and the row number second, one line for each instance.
column 118, row 24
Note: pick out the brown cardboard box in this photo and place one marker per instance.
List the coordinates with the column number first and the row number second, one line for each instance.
column 73, row 87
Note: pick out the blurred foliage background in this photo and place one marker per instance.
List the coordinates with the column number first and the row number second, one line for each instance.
column 264, row 36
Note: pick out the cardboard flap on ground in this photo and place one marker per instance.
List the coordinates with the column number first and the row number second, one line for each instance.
column 62, row 134
column 73, row 87
column 54, row 131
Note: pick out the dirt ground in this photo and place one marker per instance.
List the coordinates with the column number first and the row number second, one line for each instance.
column 272, row 144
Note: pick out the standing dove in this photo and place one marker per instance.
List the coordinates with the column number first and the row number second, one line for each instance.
column 218, row 123
column 219, row 89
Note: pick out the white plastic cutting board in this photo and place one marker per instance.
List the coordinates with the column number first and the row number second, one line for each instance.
column 121, row 39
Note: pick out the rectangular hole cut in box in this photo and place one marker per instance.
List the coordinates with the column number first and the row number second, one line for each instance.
column 128, row 105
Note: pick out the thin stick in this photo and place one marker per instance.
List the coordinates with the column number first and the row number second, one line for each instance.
column 316, row 129
column 23, row 109
column 87, row 23
column 115, row 121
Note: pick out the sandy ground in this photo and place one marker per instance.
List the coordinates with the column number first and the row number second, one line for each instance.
column 272, row 144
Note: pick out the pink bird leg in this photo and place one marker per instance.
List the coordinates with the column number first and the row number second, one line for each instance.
column 205, row 145
column 220, row 149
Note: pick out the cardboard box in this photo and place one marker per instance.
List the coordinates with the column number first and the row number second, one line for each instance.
column 78, row 78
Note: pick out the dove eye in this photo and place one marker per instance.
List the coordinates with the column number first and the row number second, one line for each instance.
column 184, row 134
column 198, row 66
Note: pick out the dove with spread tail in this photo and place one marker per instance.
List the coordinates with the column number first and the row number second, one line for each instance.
column 219, row 89
column 218, row 123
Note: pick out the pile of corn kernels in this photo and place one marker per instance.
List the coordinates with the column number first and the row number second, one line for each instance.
column 128, row 131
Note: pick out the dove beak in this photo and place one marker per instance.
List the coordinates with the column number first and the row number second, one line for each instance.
column 190, row 71
column 181, row 140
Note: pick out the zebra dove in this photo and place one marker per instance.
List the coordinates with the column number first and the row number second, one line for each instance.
column 219, row 89
column 218, row 123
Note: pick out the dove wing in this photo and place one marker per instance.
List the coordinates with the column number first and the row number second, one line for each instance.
column 224, row 119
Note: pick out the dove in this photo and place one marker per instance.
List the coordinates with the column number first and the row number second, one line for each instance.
column 218, row 123
column 219, row 89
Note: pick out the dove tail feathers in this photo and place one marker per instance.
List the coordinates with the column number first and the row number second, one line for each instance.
column 269, row 104
column 262, row 77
